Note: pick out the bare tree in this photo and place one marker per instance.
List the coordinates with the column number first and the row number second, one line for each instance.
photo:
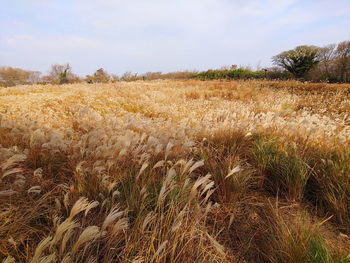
column 343, row 60
column 129, row 76
column 61, row 73
column 327, row 55
column 14, row 76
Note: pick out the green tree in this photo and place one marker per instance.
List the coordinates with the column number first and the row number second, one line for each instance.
column 299, row 60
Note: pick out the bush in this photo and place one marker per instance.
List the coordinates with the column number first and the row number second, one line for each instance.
column 14, row 76
column 239, row 73
column 100, row 76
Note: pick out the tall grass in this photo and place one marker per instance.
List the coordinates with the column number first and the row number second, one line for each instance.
column 284, row 172
column 174, row 171
column 329, row 185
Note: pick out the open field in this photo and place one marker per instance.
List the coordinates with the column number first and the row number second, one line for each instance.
column 175, row 171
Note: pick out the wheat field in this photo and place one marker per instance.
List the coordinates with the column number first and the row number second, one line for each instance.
column 175, row 171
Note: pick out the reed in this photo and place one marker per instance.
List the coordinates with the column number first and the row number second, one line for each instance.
column 175, row 171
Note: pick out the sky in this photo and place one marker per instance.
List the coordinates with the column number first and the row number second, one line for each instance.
column 163, row 35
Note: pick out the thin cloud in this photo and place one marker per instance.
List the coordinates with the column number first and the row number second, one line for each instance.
column 164, row 35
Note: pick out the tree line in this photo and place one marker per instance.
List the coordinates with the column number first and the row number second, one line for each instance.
column 330, row 63
column 63, row 74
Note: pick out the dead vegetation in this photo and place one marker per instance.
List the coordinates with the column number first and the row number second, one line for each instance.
column 175, row 171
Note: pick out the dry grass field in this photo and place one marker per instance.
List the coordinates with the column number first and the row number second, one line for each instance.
column 175, row 171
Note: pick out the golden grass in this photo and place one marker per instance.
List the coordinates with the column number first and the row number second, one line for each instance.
column 175, row 171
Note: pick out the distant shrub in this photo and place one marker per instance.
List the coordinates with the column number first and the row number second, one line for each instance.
column 60, row 74
column 277, row 73
column 14, row 76
column 129, row 76
column 171, row 75
column 180, row 75
column 236, row 73
column 100, row 76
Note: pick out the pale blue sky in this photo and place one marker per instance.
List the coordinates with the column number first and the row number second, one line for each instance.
column 163, row 35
